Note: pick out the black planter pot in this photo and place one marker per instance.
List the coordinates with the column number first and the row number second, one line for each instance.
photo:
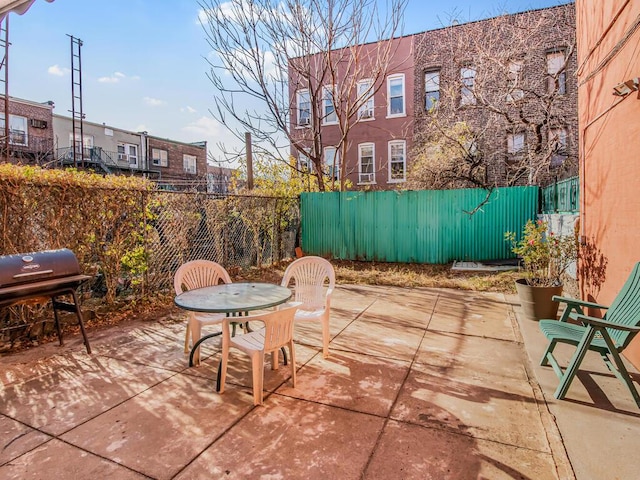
column 536, row 301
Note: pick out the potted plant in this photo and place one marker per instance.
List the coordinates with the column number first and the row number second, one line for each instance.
column 545, row 257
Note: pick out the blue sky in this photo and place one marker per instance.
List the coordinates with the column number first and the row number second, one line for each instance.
column 143, row 61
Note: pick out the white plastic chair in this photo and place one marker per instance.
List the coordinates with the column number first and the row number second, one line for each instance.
column 276, row 333
column 314, row 280
column 197, row 274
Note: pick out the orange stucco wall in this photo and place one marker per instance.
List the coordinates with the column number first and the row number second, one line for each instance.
column 609, row 125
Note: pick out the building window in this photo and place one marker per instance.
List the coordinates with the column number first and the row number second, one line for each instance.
column 366, row 172
column 514, row 79
column 395, row 94
column 556, row 75
column 365, row 99
column 468, row 80
column 159, row 157
column 329, row 116
column 332, row 163
column 558, row 145
column 87, row 145
column 397, row 161
column 189, row 163
column 304, row 108
column 304, row 162
column 431, row 89
column 128, row 153
column 515, row 144
column 18, row 133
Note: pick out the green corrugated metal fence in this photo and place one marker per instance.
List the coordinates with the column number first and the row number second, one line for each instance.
column 428, row 226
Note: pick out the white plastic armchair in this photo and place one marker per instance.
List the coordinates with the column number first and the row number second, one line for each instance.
column 276, row 333
column 198, row 274
column 313, row 282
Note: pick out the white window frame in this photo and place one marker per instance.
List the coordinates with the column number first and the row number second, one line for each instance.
column 132, row 152
column 329, row 114
column 190, row 163
column 304, row 162
column 87, row 140
column 431, row 87
column 18, row 129
column 556, row 75
column 516, row 143
column 87, row 143
column 332, row 163
column 366, row 178
column 365, row 99
column 391, row 79
column 468, row 80
column 128, row 152
column 159, row 157
column 516, row 67
column 392, row 144
column 303, row 97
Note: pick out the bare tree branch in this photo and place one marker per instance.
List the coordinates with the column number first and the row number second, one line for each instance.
column 263, row 51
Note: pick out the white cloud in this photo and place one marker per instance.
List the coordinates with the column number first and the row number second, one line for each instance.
column 116, row 77
column 205, row 127
column 57, row 70
column 154, row 102
column 188, row 109
column 108, row 79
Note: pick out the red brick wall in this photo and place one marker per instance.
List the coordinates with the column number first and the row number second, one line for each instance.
column 446, row 49
column 40, row 140
column 382, row 129
column 175, row 169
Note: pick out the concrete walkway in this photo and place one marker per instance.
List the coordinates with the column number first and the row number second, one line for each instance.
column 421, row 384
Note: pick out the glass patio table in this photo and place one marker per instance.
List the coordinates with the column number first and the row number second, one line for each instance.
column 232, row 299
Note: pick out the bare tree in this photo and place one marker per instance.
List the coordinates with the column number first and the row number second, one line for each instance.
column 507, row 113
column 264, row 52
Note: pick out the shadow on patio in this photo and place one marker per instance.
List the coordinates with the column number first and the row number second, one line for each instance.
column 421, row 383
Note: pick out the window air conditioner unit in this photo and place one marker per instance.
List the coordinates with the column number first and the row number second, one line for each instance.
column 123, row 157
column 366, row 114
column 35, row 123
column 304, row 121
column 366, row 178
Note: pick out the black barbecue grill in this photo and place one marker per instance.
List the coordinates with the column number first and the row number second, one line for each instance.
column 50, row 274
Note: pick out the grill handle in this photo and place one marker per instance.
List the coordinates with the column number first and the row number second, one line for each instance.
column 31, row 274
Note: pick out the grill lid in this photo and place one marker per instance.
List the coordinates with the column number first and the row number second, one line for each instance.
column 25, row 268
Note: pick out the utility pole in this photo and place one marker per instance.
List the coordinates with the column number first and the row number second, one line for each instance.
column 4, row 66
column 77, row 116
column 247, row 141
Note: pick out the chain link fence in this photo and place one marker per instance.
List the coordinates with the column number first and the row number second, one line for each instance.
column 133, row 245
column 235, row 231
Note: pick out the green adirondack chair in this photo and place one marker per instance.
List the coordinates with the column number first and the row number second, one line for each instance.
column 608, row 336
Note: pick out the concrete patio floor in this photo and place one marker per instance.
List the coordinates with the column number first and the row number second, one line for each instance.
column 420, row 384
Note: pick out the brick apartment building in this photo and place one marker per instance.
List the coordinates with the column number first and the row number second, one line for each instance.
column 30, row 132
column 509, row 79
column 180, row 165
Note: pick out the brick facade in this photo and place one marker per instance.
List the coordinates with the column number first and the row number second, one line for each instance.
column 527, row 38
column 489, row 46
column 38, row 146
column 175, row 172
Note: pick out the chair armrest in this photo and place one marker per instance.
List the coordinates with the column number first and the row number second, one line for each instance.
column 599, row 322
column 578, row 302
